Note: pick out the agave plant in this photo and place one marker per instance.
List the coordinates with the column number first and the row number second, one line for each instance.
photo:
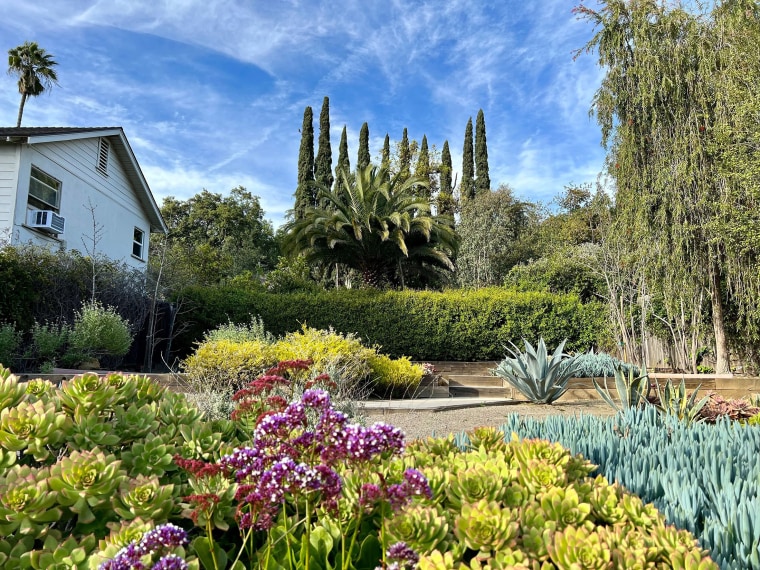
column 677, row 402
column 632, row 391
column 539, row 377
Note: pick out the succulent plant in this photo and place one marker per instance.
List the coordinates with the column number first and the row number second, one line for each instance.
column 14, row 551
column 87, row 395
column 606, row 501
column 477, row 482
column 539, row 377
column 422, row 528
column 144, row 497
column 11, row 392
column 63, row 555
column 88, row 432
column 538, row 476
column 564, row 506
column 438, row 560
column 200, row 442
column 147, row 391
column 174, row 411
column 579, row 549
column 35, row 428
column 632, row 391
column 677, row 402
column 487, row 437
column 600, row 365
column 122, row 533
column 536, row 531
column 486, row 527
column 39, row 389
column 27, row 504
column 151, row 456
column 133, row 422
column 85, row 482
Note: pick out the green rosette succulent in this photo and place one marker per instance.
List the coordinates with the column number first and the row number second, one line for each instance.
column 39, row 389
column 606, row 502
column 476, row 482
column 11, row 392
column 27, row 505
column 633, row 549
column 151, row 456
column 14, row 551
column 92, row 431
column 640, row 515
column 673, row 542
column 431, row 451
column 506, row 559
column 536, row 530
column 7, row 458
column 528, row 450
column 86, row 481
column 486, row 527
column 67, row 555
column 175, row 411
column 438, row 479
column 579, row 549
column 423, row 528
column 200, row 442
column 692, row 561
column 489, row 438
column 88, row 394
column 35, row 428
column 145, row 497
column 563, row 505
column 438, row 560
column 538, row 476
column 147, row 391
column 126, row 390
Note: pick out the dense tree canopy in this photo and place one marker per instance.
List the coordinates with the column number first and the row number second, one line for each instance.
column 467, row 188
column 305, row 190
column 483, row 179
column 323, row 163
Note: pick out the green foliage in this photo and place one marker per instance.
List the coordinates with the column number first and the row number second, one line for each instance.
column 343, row 164
column 290, row 276
column 425, row 325
column 252, row 331
column 304, row 191
column 467, row 187
column 632, row 391
column 539, row 377
column 76, row 460
column 679, row 403
column 100, row 331
column 10, row 340
column 323, row 162
column 363, row 158
column 394, row 378
column 600, row 364
column 482, row 180
column 35, row 69
column 531, row 504
column 49, row 340
column 21, row 290
column 703, row 478
column 446, row 204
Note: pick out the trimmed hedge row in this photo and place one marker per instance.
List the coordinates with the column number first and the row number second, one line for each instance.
column 462, row 325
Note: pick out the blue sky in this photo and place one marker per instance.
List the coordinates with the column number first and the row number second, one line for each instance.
column 211, row 93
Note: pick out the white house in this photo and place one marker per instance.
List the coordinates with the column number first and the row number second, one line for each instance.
column 54, row 181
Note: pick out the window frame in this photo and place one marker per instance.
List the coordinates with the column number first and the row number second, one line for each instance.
column 139, row 244
column 38, row 203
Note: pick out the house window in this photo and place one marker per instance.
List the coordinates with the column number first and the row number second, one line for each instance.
column 44, row 191
column 138, row 243
column 103, row 151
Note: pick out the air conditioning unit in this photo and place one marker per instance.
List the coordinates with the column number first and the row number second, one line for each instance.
column 45, row 220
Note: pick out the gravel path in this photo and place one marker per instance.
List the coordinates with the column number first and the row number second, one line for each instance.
column 423, row 423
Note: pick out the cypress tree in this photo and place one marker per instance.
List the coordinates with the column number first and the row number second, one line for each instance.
column 468, row 166
column 482, row 180
column 423, row 166
column 323, row 164
column 404, row 157
column 385, row 160
column 343, row 163
column 363, row 158
column 305, row 191
column 445, row 196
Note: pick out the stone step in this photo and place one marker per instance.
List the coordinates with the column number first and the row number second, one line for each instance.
column 475, row 381
column 481, row 392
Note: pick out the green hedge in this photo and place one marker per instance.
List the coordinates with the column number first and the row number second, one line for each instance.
column 454, row 325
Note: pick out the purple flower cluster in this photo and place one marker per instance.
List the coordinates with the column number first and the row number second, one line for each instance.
column 402, row 554
column 156, row 541
column 397, row 494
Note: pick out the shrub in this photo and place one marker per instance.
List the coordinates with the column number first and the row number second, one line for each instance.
column 252, row 331
column 100, row 331
column 10, row 339
column 49, row 341
column 394, row 378
column 600, row 364
column 703, row 478
column 424, row 325
column 226, row 365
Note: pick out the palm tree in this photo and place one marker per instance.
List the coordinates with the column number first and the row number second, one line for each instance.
column 377, row 225
column 34, row 68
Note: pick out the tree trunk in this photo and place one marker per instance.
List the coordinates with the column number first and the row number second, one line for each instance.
column 719, row 329
column 21, row 109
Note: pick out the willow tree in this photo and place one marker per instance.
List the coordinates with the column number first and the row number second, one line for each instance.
column 659, row 107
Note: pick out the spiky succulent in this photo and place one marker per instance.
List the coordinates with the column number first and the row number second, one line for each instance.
column 539, row 377
column 422, row 528
column 486, row 527
column 86, row 481
column 632, row 390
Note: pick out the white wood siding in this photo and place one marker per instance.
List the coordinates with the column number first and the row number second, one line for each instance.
column 116, row 207
column 9, row 156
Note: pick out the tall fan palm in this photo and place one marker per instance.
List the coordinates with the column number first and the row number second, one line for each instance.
column 377, row 225
column 35, row 70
